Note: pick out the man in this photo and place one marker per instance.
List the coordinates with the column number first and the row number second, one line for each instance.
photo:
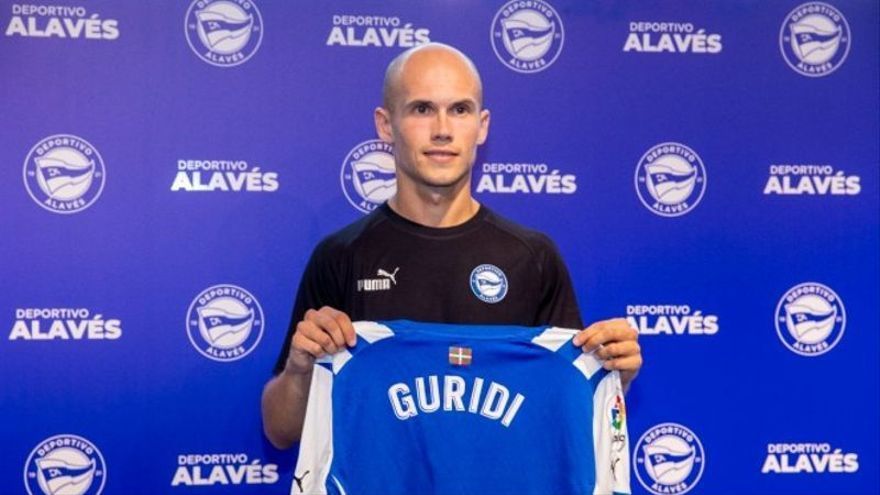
column 432, row 253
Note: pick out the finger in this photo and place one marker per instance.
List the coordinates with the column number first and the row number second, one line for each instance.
column 624, row 364
column 347, row 328
column 603, row 351
column 619, row 350
column 303, row 344
column 311, row 331
column 619, row 330
column 611, row 331
column 631, row 333
column 325, row 321
column 618, row 322
column 581, row 338
column 597, row 335
column 606, row 351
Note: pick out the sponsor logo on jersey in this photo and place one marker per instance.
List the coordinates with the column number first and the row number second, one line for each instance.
column 615, row 410
column 488, row 283
column 814, row 39
column 460, row 356
column 811, row 180
column 222, row 175
column 669, row 458
column 670, row 37
column 452, row 393
column 524, row 178
column 225, row 323
column 35, row 20
column 222, row 469
column 670, row 179
column 65, row 464
column 64, row 173
column 670, row 319
column 224, row 33
column 385, row 281
column 367, row 175
column 63, row 324
column 615, row 415
column 527, row 35
column 376, row 31
column 810, row 319
column 813, row 458
column 299, row 480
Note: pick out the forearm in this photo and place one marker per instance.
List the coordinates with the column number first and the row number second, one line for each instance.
column 284, row 407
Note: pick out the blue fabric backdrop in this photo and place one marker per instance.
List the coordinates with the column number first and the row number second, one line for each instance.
column 708, row 169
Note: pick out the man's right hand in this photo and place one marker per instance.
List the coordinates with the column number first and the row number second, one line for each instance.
column 321, row 332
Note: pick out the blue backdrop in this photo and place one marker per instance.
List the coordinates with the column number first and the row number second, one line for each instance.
column 708, row 169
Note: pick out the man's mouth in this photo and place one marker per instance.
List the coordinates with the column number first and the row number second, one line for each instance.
column 441, row 155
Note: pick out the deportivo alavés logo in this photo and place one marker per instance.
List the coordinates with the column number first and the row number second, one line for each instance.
column 367, row 175
column 809, row 458
column 34, row 20
column 670, row 179
column 669, row 458
column 671, row 319
column 814, row 39
column 222, row 469
column 810, row 319
column 40, row 324
column 671, row 37
column 222, row 176
column 527, row 35
column 488, row 283
column 64, row 173
column 807, row 179
column 375, row 31
column 224, row 33
column 65, row 464
column 524, row 178
column 225, row 322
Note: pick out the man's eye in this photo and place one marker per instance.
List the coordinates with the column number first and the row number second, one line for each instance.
column 460, row 110
column 421, row 109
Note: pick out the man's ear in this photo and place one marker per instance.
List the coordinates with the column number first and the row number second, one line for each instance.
column 484, row 127
column 382, row 118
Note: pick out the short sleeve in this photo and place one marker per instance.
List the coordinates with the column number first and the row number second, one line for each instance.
column 558, row 306
column 319, row 286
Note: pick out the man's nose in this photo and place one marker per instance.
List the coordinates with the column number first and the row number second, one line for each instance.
column 442, row 130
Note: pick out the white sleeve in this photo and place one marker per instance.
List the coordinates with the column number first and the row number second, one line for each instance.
column 611, row 441
column 316, row 445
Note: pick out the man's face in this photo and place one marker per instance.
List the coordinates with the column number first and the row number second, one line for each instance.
column 435, row 122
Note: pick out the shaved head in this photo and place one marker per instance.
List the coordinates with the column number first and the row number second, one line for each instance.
column 432, row 113
column 391, row 85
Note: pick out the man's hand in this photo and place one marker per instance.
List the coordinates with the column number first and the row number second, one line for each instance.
column 616, row 342
column 321, row 332
column 285, row 396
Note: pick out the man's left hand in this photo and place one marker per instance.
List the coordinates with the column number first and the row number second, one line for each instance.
column 615, row 342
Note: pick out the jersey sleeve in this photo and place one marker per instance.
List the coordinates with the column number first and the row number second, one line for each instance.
column 316, row 445
column 314, row 464
column 558, row 305
column 610, row 437
column 319, row 286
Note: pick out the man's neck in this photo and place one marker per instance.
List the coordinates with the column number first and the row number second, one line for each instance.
column 433, row 208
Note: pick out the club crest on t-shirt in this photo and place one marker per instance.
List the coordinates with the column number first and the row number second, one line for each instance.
column 489, row 283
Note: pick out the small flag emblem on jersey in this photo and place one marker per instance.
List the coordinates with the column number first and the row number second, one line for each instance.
column 460, row 356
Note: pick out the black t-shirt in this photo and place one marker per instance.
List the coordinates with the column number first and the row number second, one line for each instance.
column 487, row 270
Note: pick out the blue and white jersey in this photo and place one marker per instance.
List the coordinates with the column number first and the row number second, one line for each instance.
column 458, row 409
